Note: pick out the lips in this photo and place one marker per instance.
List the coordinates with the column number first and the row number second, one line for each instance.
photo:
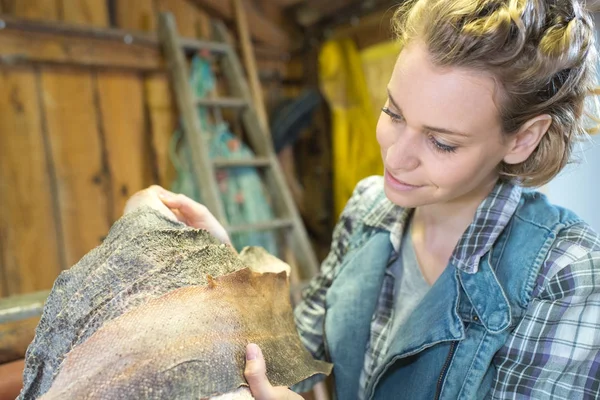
column 400, row 182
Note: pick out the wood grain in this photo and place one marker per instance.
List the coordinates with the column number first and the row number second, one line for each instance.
column 15, row 338
column 73, row 130
column 29, row 46
column 12, row 379
column 136, row 15
column 163, row 122
column 126, row 136
column 46, row 10
column 261, row 27
column 85, row 12
column 28, row 232
column 191, row 21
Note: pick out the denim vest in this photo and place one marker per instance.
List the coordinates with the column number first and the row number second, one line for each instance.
column 445, row 349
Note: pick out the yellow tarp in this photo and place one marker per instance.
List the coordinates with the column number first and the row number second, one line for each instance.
column 354, row 85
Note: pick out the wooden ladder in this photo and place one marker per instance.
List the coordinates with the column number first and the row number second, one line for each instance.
column 288, row 221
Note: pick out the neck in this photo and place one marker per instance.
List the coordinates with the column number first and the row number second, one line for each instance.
column 451, row 218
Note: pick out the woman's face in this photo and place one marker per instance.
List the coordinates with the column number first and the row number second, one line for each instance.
column 439, row 132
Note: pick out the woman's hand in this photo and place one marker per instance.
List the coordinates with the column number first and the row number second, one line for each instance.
column 178, row 207
column 149, row 197
column 256, row 375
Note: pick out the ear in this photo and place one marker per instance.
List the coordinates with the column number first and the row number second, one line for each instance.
column 526, row 140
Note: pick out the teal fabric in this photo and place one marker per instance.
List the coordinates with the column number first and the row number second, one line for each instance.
column 244, row 197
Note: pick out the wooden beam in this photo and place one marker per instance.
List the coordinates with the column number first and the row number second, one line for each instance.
column 287, row 3
column 250, row 63
column 85, row 12
column 126, row 136
column 46, row 10
column 261, row 28
column 163, row 120
column 30, row 256
column 29, row 42
column 372, row 28
column 75, row 134
column 15, row 337
column 12, row 382
column 19, row 315
column 37, row 42
column 314, row 11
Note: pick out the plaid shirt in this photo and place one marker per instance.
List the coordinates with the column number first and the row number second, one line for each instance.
column 554, row 352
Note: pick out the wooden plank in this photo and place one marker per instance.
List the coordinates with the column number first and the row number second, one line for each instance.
column 250, row 64
column 85, row 12
column 23, row 306
column 25, row 42
column 24, row 46
column 285, row 3
column 28, row 231
column 46, row 10
column 73, row 130
column 12, row 382
column 314, row 11
column 15, row 337
column 191, row 21
column 261, row 27
column 126, row 136
column 136, row 15
column 163, row 122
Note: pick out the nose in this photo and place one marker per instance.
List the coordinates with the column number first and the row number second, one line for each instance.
column 400, row 150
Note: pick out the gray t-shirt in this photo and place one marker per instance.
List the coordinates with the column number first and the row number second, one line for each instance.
column 409, row 284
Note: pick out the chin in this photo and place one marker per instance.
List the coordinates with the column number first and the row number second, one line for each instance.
column 410, row 199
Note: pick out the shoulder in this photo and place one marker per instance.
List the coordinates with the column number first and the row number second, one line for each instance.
column 573, row 257
column 367, row 194
column 572, row 264
column 367, row 207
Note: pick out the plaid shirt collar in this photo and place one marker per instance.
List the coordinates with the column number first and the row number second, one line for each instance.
column 491, row 217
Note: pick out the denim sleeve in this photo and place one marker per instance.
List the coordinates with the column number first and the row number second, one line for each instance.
column 309, row 314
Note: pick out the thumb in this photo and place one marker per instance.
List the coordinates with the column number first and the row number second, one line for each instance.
column 256, row 373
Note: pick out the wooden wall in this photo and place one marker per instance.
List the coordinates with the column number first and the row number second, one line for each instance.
column 77, row 140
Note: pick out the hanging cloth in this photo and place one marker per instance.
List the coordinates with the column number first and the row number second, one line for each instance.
column 356, row 153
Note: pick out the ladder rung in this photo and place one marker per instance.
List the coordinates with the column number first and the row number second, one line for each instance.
column 247, row 162
column 262, row 226
column 190, row 45
column 230, row 102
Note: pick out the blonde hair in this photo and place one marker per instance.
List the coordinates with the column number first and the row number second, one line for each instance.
column 541, row 52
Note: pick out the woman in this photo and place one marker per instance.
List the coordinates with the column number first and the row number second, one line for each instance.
column 445, row 278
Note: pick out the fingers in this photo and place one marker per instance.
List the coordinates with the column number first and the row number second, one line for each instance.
column 188, row 207
column 256, row 375
column 147, row 197
column 192, row 213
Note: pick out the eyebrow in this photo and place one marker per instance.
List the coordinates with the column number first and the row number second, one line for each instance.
column 426, row 127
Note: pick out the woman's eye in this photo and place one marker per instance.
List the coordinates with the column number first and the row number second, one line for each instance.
column 441, row 147
column 393, row 116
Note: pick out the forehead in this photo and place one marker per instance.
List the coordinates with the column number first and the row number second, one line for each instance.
column 454, row 98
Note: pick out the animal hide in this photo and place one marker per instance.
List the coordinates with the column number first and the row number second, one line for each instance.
column 160, row 310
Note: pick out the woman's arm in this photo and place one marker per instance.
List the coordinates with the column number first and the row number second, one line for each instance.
column 555, row 350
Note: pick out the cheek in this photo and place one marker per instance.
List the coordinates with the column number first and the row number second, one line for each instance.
column 384, row 133
column 461, row 170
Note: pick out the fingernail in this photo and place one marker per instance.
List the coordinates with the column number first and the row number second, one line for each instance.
column 165, row 196
column 252, row 352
